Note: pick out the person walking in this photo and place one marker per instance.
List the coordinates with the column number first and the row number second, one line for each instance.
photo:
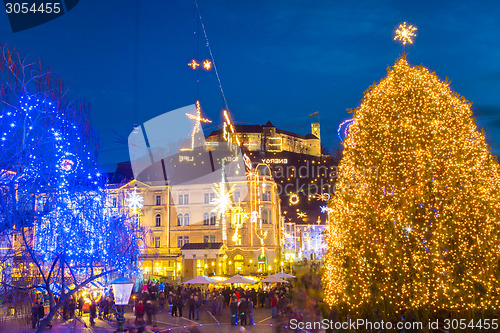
column 274, row 306
column 191, row 304
column 41, row 313
column 149, row 312
column 139, row 312
column 250, row 311
column 34, row 315
column 92, row 313
column 174, row 302
column 80, row 306
column 180, row 305
column 234, row 311
column 197, row 306
column 242, row 310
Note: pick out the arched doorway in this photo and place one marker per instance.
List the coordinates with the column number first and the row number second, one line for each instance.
column 238, row 263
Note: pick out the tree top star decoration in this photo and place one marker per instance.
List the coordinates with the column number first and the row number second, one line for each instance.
column 405, row 33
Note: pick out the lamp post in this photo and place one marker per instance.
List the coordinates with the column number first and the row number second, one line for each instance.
column 122, row 288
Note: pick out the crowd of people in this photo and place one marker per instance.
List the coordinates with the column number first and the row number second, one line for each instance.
column 178, row 300
column 186, row 301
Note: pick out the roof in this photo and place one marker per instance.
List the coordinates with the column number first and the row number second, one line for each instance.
column 260, row 129
column 201, row 246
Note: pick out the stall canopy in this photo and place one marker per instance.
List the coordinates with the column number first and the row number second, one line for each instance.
column 238, row 279
column 202, row 279
column 273, row 279
column 283, row 275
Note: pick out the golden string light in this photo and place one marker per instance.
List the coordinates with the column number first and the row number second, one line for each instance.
column 422, row 233
column 197, row 126
column 207, row 65
column 293, row 199
column 405, row 34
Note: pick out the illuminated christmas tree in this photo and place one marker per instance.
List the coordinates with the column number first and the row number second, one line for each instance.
column 415, row 220
column 57, row 228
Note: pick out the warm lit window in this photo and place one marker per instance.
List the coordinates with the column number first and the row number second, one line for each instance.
column 265, row 217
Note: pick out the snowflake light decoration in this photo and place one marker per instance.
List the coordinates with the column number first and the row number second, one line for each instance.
column 405, row 33
column 301, row 215
column 134, row 201
column 207, row 65
column 222, row 202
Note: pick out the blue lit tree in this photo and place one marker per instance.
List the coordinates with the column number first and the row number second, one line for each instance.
column 54, row 218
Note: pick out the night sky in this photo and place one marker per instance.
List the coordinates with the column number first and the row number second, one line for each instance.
column 279, row 60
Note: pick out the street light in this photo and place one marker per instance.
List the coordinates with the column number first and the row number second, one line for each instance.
column 122, row 288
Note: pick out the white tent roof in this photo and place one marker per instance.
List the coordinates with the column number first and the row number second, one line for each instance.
column 273, row 279
column 283, row 275
column 202, row 279
column 238, row 279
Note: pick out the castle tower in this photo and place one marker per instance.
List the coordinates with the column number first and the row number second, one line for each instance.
column 315, row 130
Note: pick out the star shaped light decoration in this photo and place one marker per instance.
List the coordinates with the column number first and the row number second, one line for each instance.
column 197, row 126
column 405, row 33
column 134, row 201
column 194, row 64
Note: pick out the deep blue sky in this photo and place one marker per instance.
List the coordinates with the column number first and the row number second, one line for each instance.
column 279, row 60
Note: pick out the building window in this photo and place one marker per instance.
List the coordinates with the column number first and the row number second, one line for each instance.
column 212, row 197
column 158, row 200
column 206, row 219
column 181, row 199
column 186, row 240
column 186, row 199
column 236, row 196
column 207, row 198
column 186, row 219
column 265, row 217
column 205, row 239
column 158, row 220
column 114, row 202
column 212, row 238
column 212, row 218
column 266, row 196
column 179, row 241
column 157, row 242
column 180, row 219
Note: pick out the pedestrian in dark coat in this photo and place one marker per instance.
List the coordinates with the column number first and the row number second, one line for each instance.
column 149, row 312
column 242, row 310
column 41, row 313
column 191, row 304
column 174, row 301
column 92, row 313
column 234, row 311
column 34, row 315
column 180, row 305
